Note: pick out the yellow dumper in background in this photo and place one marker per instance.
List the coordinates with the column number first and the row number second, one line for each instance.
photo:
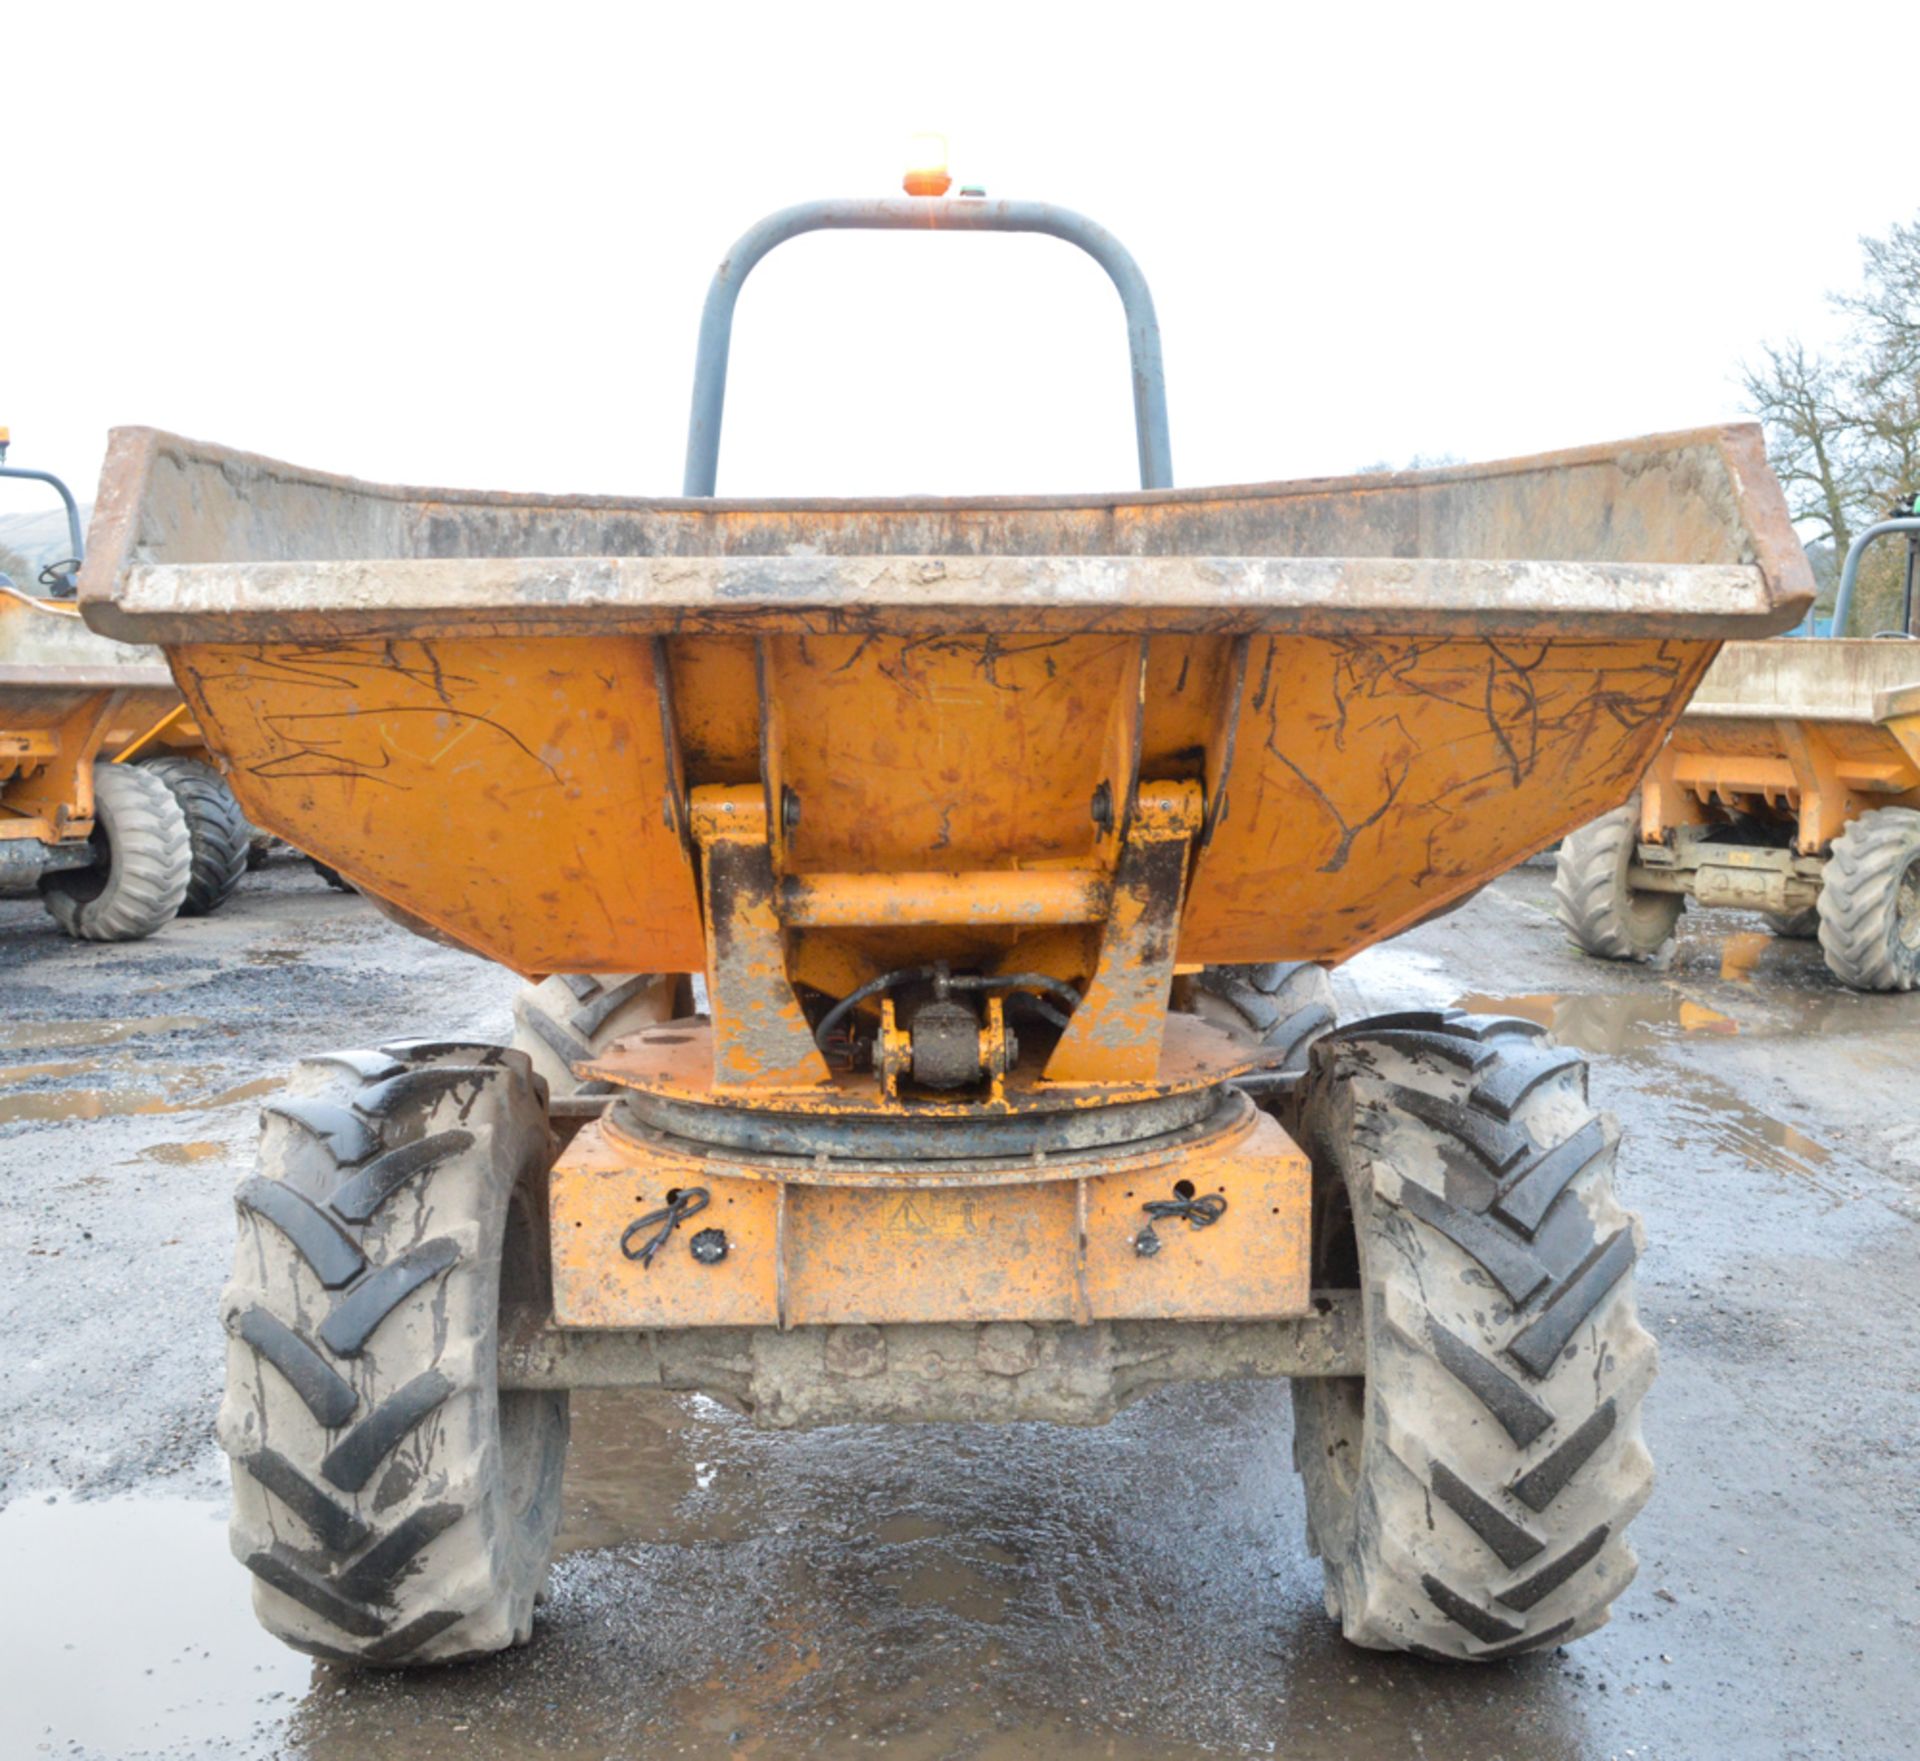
column 1790, row 787
column 107, row 807
column 938, row 797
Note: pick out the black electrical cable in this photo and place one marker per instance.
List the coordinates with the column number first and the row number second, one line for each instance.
column 1057, row 988
column 873, row 986
column 1207, row 1208
column 679, row 1207
column 1044, row 1010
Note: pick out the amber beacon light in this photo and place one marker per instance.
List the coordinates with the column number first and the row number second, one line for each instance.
column 927, row 173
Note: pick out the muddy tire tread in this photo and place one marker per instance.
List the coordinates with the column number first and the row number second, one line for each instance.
column 574, row 1016
column 1859, row 901
column 1501, row 1458
column 217, row 831
column 360, row 1403
column 1284, row 1005
column 149, row 865
column 1592, row 899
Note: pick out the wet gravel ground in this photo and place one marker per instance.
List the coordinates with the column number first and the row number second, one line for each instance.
column 1137, row 1591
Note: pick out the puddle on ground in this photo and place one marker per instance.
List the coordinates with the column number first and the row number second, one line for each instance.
column 37, row 1036
column 126, row 1627
column 1606, row 1026
column 1756, row 1138
column 180, row 1155
column 1634, row 1027
column 960, row 1590
column 641, row 1468
column 14, row 1074
column 57, row 1106
column 994, row 1593
column 1742, row 952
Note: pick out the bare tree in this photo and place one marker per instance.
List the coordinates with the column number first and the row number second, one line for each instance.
column 1843, row 430
column 1812, row 440
column 1887, row 307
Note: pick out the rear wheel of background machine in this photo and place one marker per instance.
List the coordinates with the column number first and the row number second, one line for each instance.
column 1593, row 901
column 332, row 876
column 216, row 829
column 143, row 860
column 1469, row 1496
column 1286, row 1005
column 393, row 1505
column 1795, row 926
column 577, row 1015
column 1870, row 902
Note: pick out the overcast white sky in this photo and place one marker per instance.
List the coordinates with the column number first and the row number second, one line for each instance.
column 467, row 245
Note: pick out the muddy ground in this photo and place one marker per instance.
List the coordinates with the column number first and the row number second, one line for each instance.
column 1138, row 1591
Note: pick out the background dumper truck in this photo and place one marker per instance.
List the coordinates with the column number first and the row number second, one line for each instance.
column 1791, row 786
column 938, row 798
column 108, row 806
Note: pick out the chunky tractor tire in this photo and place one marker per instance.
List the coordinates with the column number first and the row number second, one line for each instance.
column 1594, row 903
column 216, row 829
column 393, row 1505
column 1870, row 902
column 1795, row 926
column 577, row 1015
column 1286, row 1005
column 143, row 861
column 1469, row 1497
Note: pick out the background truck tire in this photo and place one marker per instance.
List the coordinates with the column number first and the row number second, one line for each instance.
column 143, row 861
column 1795, row 926
column 577, row 1015
column 393, row 1505
column 1594, row 903
column 217, row 831
column 1286, row 1005
column 1870, row 902
column 1469, row 1497
column 332, row 876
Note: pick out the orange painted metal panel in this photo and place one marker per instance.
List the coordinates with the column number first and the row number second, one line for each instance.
column 1253, row 1261
column 599, row 1187
column 984, row 1253
column 519, row 794
column 1375, row 781
column 50, row 735
column 900, row 1249
column 961, row 752
column 514, row 795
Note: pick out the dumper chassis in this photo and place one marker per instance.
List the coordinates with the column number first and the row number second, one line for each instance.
column 1003, row 837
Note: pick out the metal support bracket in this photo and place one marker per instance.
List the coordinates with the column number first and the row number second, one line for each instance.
column 1115, row 1034
column 760, row 1032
